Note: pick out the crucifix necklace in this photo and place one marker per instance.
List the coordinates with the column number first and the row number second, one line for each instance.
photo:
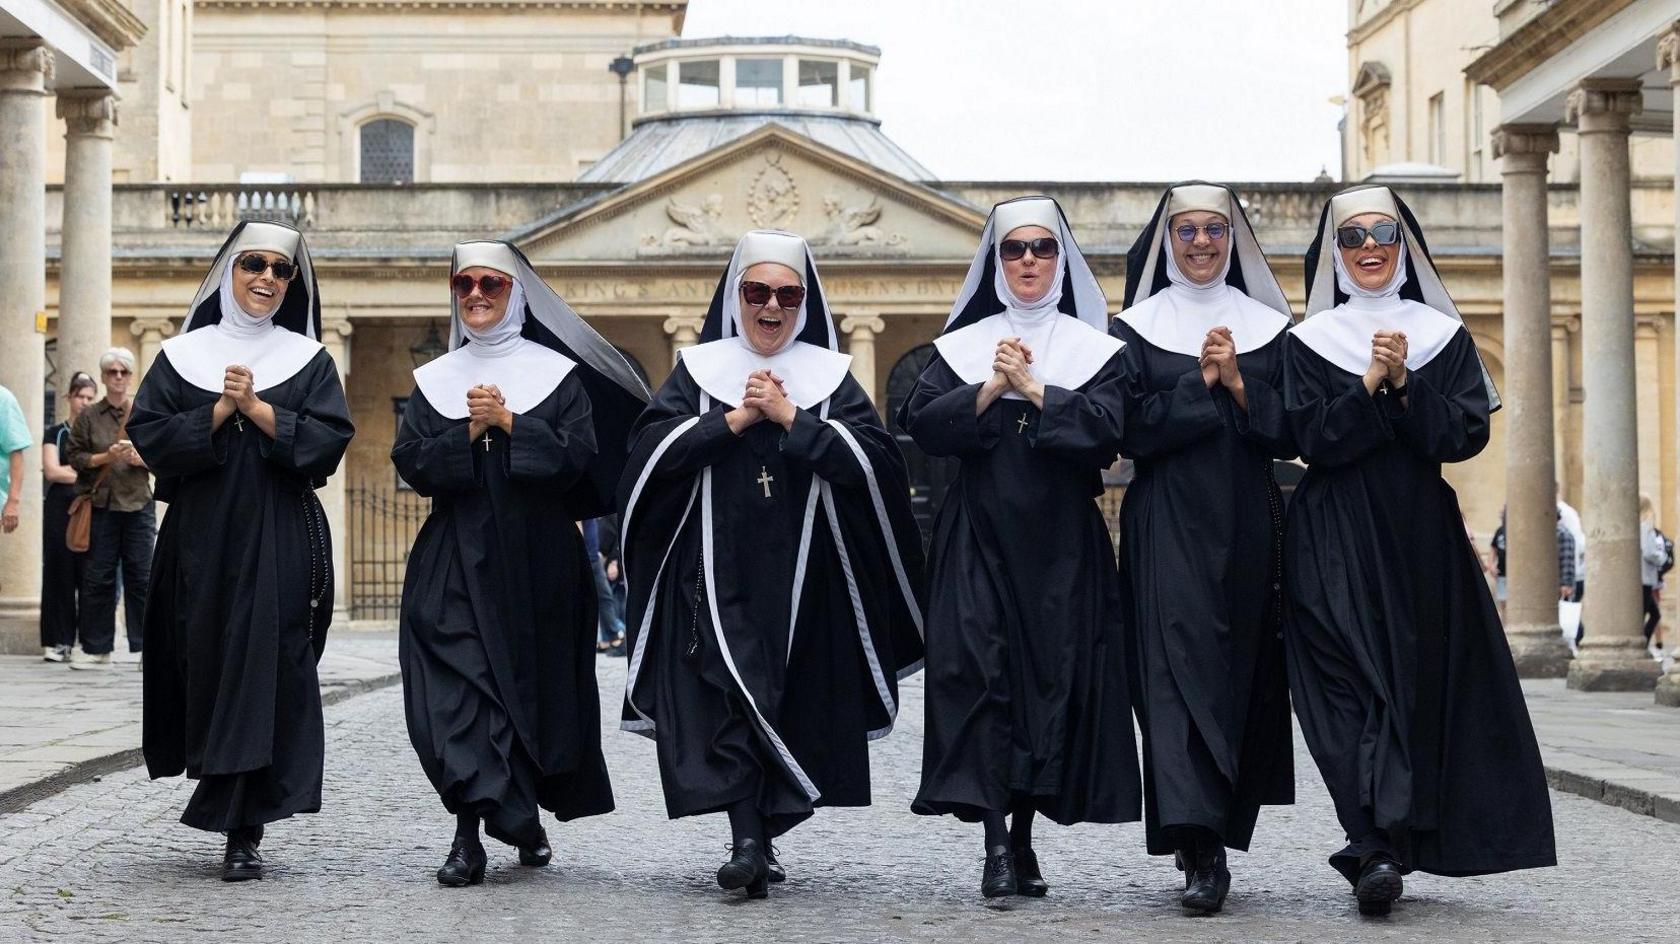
column 1021, row 425
column 238, row 422
column 765, row 478
column 486, row 441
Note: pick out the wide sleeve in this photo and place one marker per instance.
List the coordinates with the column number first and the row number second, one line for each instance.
column 559, row 452
column 825, row 450
column 1159, row 422
column 1087, row 424
column 672, row 438
column 432, row 453
column 1446, row 410
column 939, row 414
column 311, row 439
column 1333, row 420
column 172, row 435
column 1265, row 423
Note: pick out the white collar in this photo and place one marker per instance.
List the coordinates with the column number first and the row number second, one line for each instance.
column 525, row 371
column 1079, row 350
column 203, row 355
column 1179, row 317
column 811, row 374
column 1342, row 335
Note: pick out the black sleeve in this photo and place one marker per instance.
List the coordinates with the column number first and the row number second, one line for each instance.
column 1087, row 424
column 1266, row 423
column 939, row 414
column 1333, row 420
column 432, row 453
column 311, row 440
column 1445, row 414
column 1160, row 422
column 173, row 437
column 559, row 452
column 822, row 448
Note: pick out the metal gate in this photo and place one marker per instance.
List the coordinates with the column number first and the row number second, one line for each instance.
column 383, row 522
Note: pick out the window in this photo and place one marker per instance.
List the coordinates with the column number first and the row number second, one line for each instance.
column 399, row 406
column 1437, row 128
column 758, row 82
column 387, row 147
column 697, row 84
column 1477, row 134
column 859, row 89
column 654, row 89
column 819, row 84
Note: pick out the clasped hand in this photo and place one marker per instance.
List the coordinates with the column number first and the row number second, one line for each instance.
column 1012, row 370
column 1388, row 360
column 238, row 388
column 1219, row 360
column 765, row 399
column 487, row 409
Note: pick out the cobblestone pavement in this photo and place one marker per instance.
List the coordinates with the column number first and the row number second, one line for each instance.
column 107, row 861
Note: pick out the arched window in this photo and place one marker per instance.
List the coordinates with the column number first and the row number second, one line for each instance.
column 387, row 149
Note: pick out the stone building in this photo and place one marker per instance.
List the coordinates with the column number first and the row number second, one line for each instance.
column 625, row 160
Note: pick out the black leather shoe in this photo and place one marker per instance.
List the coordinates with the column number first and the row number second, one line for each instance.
column 465, row 865
column 538, row 853
column 1206, row 882
column 241, row 861
column 747, row 868
column 1379, row 887
column 998, row 880
column 778, row 875
column 1028, row 880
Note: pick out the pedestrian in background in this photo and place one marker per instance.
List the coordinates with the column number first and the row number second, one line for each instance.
column 1653, row 554
column 61, row 568
column 1571, row 520
column 111, row 473
column 14, row 439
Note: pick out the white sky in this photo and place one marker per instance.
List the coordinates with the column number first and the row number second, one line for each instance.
column 1232, row 90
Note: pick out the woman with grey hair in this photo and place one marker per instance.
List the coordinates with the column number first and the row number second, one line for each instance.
column 111, row 474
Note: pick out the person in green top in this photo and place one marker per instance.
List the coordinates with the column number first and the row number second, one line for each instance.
column 14, row 439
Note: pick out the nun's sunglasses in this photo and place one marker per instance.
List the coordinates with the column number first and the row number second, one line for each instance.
column 1044, row 247
column 255, row 265
column 1215, row 232
column 1352, row 237
column 491, row 285
column 758, row 294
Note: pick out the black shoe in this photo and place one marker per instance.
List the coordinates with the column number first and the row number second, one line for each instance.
column 747, row 868
column 1206, row 882
column 241, row 861
column 1379, row 886
column 778, row 875
column 1029, row 881
column 465, row 865
column 538, row 853
column 998, row 880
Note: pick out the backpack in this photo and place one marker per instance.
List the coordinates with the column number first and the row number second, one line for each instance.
column 1668, row 555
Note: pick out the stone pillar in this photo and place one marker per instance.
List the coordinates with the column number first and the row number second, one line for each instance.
column 1612, row 657
column 684, row 331
column 335, row 335
column 151, row 332
column 1668, row 57
column 25, row 67
column 860, row 330
column 1531, row 614
column 84, row 281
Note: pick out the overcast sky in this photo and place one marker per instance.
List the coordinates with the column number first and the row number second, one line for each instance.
column 1233, row 90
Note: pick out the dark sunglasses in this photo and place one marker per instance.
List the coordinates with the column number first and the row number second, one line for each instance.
column 1044, row 247
column 257, row 264
column 1215, row 231
column 1352, row 237
column 758, row 294
column 491, row 285
column 117, row 371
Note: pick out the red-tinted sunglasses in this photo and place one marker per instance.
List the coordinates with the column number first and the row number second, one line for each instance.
column 758, row 294
column 491, row 285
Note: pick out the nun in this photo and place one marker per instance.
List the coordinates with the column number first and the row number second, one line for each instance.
column 242, row 417
column 1201, row 530
column 773, row 564
column 1028, row 709
column 1401, row 676
column 515, row 434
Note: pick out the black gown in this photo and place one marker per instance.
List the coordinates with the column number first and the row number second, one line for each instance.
column 748, row 713
column 1401, row 675
column 1201, row 531
column 230, row 695
column 1027, row 695
column 497, row 634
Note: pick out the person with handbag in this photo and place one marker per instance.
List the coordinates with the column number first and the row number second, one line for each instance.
column 61, row 567
column 112, row 517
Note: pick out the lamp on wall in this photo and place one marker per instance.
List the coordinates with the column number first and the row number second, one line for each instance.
column 429, row 348
column 622, row 67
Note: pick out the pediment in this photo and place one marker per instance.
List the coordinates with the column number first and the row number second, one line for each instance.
column 772, row 178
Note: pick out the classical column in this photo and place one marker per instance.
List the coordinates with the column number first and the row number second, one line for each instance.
column 1668, row 57
column 860, row 330
column 1612, row 657
column 151, row 333
column 684, row 331
column 335, row 336
column 84, row 281
column 1531, row 564
column 25, row 66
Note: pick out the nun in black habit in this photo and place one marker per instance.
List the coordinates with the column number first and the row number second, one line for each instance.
column 241, row 417
column 1201, row 530
column 515, row 434
column 1028, row 709
column 773, row 565
column 1401, row 676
